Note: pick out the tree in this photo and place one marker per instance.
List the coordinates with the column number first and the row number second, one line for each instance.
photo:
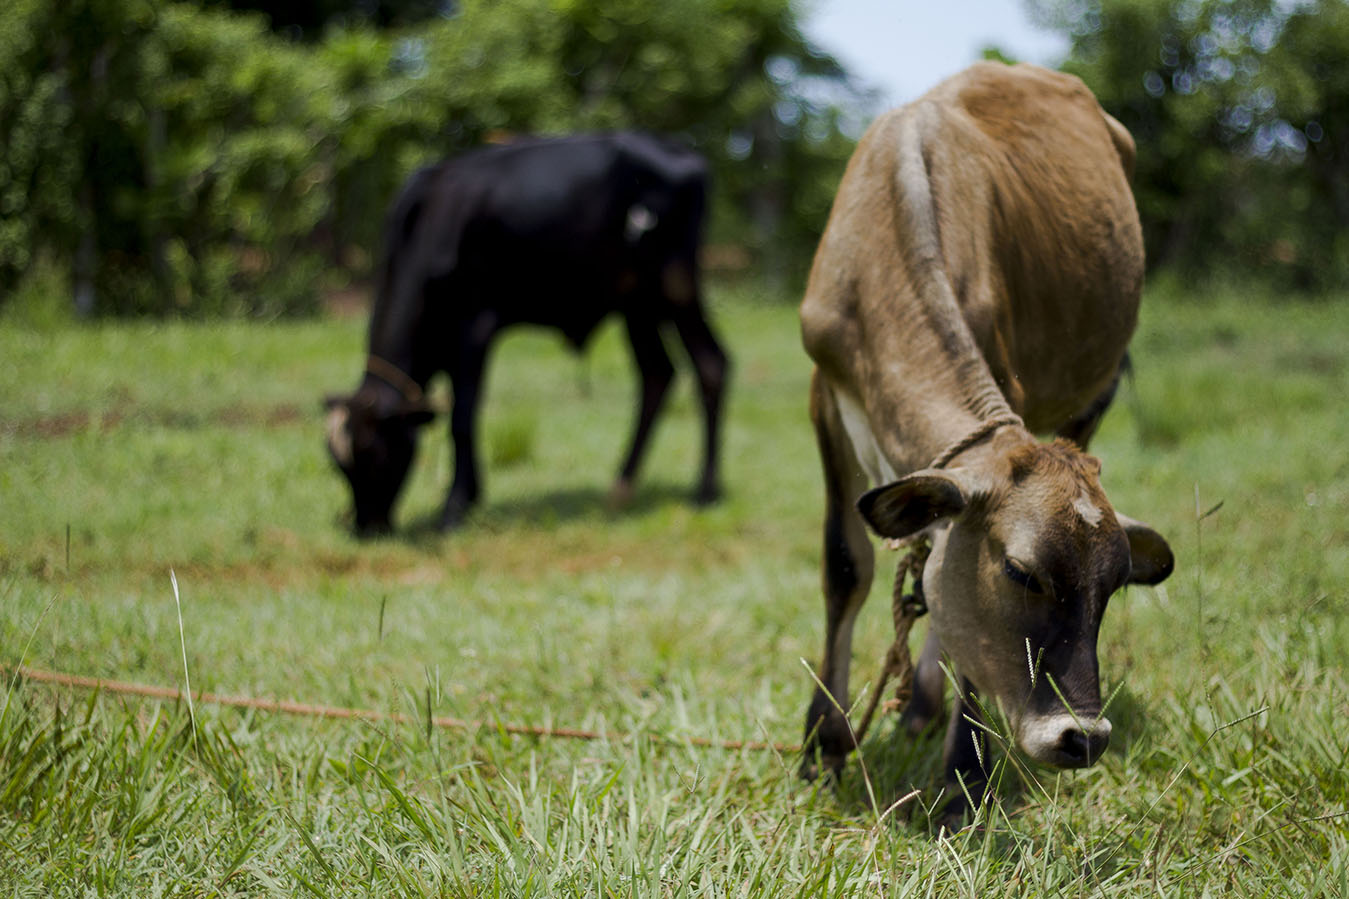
column 189, row 160
column 1232, row 103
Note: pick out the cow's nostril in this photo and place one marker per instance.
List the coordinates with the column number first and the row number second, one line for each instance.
column 1081, row 747
column 1073, row 745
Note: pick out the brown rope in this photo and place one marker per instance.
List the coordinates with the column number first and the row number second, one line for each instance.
column 905, row 609
column 396, row 378
column 127, row 688
column 978, row 435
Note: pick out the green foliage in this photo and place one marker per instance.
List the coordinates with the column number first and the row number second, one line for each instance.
column 1239, row 108
column 189, row 161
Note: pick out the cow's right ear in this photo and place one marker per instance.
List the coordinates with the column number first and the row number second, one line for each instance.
column 912, row 503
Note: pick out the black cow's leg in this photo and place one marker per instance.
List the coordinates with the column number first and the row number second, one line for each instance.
column 466, row 377
column 1081, row 429
column 966, row 758
column 848, row 567
column 656, row 370
column 712, row 366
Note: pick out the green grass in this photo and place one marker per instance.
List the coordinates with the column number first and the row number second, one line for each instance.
column 199, row 449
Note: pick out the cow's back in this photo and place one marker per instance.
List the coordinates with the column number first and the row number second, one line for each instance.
column 1034, row 228
column 569, row 206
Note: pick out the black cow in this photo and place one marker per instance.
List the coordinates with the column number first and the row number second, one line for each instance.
column 554, row 232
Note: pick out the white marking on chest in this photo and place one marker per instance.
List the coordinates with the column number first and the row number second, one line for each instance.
column 1089, row 511
column 864, row 443
column 640, row 221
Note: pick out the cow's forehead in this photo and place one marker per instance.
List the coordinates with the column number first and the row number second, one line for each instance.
column 1050, row 503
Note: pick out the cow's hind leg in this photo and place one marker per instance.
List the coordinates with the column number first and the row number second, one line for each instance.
column 929, row 686
column 656, row 371
column 466, row 378
column 1081, row 429
column 712, row 367
column 848, row 567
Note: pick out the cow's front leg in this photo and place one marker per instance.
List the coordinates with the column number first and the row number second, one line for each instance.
column 466, row 378
column 656, row 371
column 848, row 566
column 966, row 759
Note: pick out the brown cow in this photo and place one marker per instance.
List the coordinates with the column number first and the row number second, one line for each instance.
column 978, row 282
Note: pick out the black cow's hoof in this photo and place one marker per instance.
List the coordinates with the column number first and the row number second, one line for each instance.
column 453, row 516
column 373, row 531
column 620, row 495
column 707, row 495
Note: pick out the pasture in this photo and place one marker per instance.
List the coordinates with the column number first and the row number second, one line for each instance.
column 128, row 450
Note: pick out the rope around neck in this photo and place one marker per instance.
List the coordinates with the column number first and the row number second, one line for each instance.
column 975, row 437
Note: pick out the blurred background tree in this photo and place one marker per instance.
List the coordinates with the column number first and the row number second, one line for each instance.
column 210, row 157
column 205, row 159
column 1241, row 113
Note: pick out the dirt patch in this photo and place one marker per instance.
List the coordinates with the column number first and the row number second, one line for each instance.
column 64, row 424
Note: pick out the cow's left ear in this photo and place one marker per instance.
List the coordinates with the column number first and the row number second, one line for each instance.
column 1148, row 550
column 912, row 503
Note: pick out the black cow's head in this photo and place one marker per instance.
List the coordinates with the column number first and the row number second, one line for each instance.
column 372, row 436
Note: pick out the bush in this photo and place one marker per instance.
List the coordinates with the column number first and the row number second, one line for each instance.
column 188, row 161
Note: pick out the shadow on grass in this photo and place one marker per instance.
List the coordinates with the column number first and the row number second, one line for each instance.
column 552, row 508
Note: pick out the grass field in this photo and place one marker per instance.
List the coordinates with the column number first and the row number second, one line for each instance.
column 129, row 450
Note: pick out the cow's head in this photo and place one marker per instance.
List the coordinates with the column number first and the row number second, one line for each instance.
column 1025, row 555
column 372, row 436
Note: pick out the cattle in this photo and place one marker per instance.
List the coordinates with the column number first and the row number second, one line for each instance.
column 555, row 232
column 977, row 284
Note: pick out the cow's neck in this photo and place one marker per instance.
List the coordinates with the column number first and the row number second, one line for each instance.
column 925, row 388
column 394, row 326
column 939, row 422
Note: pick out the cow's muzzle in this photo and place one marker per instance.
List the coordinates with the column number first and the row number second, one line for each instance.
column 1065, row 741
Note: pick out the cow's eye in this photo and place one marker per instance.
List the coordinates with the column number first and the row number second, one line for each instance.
column 1021, row 576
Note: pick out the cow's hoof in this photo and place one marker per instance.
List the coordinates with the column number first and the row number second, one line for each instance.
column 817, row 767
column 707, row 494
column 453, row 517
column 916, row 718
column 620, row 495
column 955, row 817
column 373, row 531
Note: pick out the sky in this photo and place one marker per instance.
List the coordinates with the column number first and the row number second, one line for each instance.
column 904, row 47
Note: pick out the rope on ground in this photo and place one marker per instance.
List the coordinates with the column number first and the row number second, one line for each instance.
column 307, row 710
